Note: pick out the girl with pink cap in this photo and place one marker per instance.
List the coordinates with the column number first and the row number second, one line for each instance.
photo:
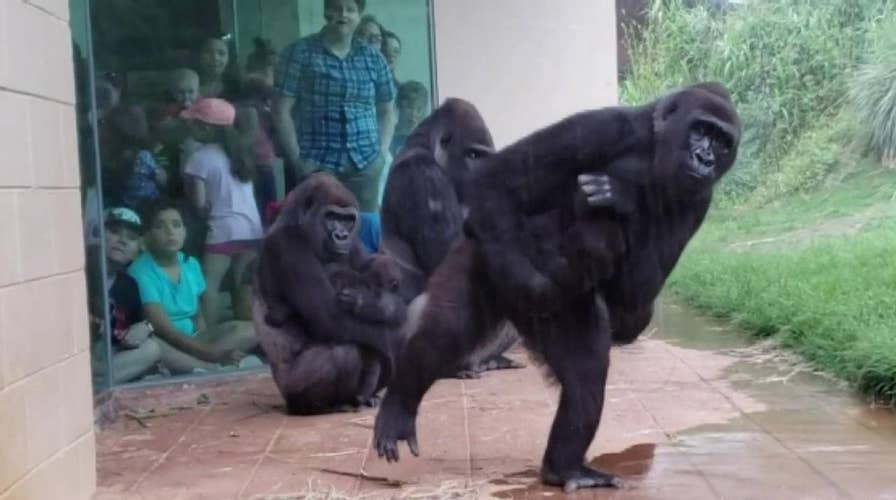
column 220, row 167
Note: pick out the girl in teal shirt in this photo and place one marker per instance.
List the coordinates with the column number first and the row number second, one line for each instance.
column 171, row 284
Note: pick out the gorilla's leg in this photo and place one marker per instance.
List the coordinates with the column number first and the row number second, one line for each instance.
column 312, row 378
column 433, row 351
column 490, row 355
column 371, row 379
column 323, row 378
column 628, row 323
column 444, row 324
column 580, row 359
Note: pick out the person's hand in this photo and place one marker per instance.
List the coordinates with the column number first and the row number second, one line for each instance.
column 189, row 146
column 136, row 334
column 227, row 356
column 304, row 168
column 161, row 176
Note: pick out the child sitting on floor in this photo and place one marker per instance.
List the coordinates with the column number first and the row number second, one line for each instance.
column 171, row 285
column 134, row 351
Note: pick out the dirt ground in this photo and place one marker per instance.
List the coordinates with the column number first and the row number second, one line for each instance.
column 693, row 411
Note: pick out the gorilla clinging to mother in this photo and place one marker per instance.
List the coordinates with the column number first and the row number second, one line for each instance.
column 326, row 313
column 640, row 175
column 423, row 210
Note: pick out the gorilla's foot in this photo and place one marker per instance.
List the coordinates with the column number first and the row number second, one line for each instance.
column 346, row 408
column 468, row 373
column 500, row 362
column 583, row 477
column 369, row 401
column 497, row 362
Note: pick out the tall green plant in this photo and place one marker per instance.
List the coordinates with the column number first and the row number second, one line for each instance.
column 873, row 91
column 786, row 62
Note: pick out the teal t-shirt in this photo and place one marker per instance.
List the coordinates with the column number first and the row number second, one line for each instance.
column 180, row 301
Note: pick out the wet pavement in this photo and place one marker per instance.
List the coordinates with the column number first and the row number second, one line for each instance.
column 694, row 410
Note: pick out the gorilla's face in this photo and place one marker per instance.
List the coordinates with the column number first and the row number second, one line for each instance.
column 710, row 144
column 461, row 141
column 339, row 227
column 384, row 273
column 460, row 154
column 324, row 214
column 697, row 134
column 460, row 151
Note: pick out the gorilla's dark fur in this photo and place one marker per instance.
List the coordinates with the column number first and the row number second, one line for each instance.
column 626, row 187
column 327, row 349
column 423, row 209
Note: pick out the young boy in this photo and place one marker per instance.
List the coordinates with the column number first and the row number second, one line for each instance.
column 134, row 351
column 412, row 102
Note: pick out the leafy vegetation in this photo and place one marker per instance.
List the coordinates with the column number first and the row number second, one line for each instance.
column 800, row 243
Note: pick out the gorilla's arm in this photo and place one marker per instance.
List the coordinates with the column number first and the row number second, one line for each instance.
column 305, row 288
column 539, row 173
column 420, row 207
column 373, row 306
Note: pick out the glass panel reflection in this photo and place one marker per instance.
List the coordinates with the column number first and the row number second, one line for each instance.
column 204, row 115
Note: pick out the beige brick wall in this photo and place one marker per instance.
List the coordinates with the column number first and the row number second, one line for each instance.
column 526, row 63
column 46, row 410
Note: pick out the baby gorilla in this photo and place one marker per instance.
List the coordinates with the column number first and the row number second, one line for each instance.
column 580, row 257
column 365, row 295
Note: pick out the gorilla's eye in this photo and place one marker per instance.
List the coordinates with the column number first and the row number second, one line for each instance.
column 472, row 154
column 309, row 203
column 445, row 140
column 393, row 286
column 670, row 110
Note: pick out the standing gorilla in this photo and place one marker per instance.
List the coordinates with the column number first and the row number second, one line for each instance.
column 327, row 348
column 648, row 173
column 423, row 209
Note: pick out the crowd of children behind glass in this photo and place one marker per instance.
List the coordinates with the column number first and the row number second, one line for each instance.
column 188, row 185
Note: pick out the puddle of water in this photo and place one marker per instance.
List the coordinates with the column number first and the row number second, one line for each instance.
column 682, row 327
column 633, row 462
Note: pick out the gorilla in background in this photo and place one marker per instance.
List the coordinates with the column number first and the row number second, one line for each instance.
column 328, row 349
column 423, row 210
column 646, row 173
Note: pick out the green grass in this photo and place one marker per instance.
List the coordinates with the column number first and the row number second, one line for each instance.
column 826, row 292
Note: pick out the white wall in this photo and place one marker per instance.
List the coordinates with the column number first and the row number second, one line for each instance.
column 46, row 403
column 526, row 63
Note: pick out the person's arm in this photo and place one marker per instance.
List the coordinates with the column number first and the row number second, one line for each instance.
column 286, row 90
column 286, row 132
column 165, row 330
column 386, row 117
column 197, row 195
column 195, row 172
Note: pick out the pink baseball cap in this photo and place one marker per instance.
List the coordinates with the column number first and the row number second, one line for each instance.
column 211, row 110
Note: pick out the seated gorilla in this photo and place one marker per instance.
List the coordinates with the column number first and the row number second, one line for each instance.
column 423, row 209
column 647, row 173
column 327, row 350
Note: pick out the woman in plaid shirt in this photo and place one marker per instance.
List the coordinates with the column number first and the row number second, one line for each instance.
column 334, row 107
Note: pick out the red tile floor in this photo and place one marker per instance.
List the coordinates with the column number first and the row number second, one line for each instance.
column 693, row 411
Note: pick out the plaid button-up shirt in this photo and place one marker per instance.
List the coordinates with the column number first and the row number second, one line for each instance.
column 335, row 111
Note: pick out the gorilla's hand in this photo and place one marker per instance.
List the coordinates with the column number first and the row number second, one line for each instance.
column 603, row 191
column 394, row 423
column 349, row 300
